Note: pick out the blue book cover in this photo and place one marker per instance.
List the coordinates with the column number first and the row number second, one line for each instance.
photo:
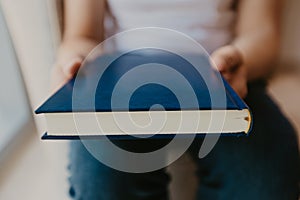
column 140, row 82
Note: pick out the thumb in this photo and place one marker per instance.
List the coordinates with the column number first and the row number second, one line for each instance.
column 72, row 67
column 218, row 61
column 226, row 58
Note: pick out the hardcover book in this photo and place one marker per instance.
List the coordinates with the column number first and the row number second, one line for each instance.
column 145, row 92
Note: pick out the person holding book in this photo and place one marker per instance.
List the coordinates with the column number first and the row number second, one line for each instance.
column 243, row 40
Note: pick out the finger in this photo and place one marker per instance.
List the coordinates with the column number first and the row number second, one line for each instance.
column 218, row 62
column 241, row 90
column 231, row 62
column 240, row 87
column 72, row 67
column 227, row 76
column 227, row 58
column 57, row 78
column 231, row 74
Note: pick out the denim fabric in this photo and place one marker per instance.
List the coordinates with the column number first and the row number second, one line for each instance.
column 264, row 165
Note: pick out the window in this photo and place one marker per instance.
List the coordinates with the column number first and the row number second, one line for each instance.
column 14, row 109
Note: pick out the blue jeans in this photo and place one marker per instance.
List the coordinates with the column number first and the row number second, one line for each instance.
column 264, row 165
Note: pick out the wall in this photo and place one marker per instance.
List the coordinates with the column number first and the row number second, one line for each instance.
column 291, row 34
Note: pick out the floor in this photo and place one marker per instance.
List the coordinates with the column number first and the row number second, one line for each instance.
column 37, row 170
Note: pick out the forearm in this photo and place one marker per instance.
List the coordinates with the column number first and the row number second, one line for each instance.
column 83, row 30
column 258, row 35
column 259, row 52
column 84, row 19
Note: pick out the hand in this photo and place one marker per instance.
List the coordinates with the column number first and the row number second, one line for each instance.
column 71, row 54
column 229, row 61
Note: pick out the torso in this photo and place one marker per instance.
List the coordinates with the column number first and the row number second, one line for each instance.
column 209, row 22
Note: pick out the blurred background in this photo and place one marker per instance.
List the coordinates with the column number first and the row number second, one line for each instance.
column 29, row 35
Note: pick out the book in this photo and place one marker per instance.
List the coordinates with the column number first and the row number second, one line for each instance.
column 145, row 92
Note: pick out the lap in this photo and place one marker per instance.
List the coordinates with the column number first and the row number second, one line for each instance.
column 92, row 180
column 264, row 165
